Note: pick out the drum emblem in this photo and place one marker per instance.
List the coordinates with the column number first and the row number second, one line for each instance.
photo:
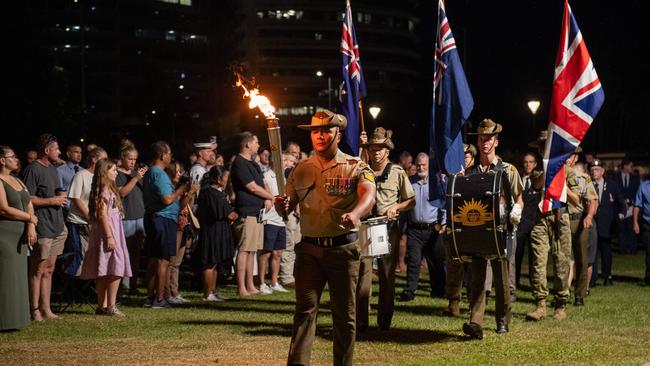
column 473, row 213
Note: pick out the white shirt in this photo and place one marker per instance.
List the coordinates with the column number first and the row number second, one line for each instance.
column 197, row 172
column 80, row 188
column 600, row 187
column 526, row 181
column 271, row 217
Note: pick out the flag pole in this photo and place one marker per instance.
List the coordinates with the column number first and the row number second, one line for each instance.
column 363, row 153
column 363, row 128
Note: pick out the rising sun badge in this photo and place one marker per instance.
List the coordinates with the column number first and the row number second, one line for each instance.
column 473, row 213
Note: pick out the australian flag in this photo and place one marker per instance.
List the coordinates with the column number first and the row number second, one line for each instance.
column 354, row 86
column 576, row 99
column 452, row 104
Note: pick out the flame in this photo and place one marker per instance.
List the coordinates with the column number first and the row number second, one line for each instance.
column 257, row 100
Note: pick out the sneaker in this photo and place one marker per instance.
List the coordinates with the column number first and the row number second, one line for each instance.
column 212, row 297
column 148, row 302
column 114, row 311
column 162, row 304
column 100, row 311
column 265, row 289
column 278, row 288
column 221, row 296
column 177, row 300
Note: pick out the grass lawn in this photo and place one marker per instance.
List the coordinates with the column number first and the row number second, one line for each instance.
column 613, row 329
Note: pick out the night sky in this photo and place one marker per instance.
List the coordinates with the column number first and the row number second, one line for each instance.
column 508, row 49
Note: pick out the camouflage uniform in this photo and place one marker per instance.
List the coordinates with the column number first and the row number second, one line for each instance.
column 544, row 239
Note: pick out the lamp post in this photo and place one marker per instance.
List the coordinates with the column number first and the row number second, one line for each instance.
column 533, row 105
column 320, row 74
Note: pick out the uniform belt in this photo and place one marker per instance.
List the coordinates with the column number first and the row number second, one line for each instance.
column 423, row 225
column 563, row 210
column 577, row 216
column 331, row 241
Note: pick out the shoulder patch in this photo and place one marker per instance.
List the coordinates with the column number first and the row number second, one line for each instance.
column 369, row 176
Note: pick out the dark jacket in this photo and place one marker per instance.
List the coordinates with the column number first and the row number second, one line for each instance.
column 530, row 213
column 632, row 186
column 611, row 204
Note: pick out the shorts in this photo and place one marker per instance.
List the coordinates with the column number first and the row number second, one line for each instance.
column 48, row 247
column 160, row 239
column 132, row 227
column 275, row 238
column 249, row 234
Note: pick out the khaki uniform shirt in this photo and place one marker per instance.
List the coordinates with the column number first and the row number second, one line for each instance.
column 326, row 193
column 580, row 184
column 516, row 185
column 395, row 188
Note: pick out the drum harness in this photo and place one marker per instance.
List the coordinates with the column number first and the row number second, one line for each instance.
column 381, row 179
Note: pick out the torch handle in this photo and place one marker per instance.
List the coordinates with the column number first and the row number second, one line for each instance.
column 275, row 145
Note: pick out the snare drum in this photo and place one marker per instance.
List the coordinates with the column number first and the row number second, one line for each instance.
column 373, row 237
column 475, row 216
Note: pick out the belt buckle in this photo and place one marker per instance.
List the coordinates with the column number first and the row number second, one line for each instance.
column 325, row 242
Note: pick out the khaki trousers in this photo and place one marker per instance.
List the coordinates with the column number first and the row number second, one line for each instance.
column 502, row 311
column 171, row 289
column 386, row 274
column 339, row 268
column 289, row 255
column 542, row 240
column 579, row 244
column 455, row 273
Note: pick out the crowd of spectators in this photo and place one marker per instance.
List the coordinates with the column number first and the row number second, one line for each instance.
column 102, row 215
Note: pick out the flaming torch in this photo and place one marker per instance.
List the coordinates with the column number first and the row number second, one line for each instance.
column 256, row 100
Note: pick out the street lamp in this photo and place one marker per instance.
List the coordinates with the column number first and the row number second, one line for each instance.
column 320, row 74
column 374, row 112
column 533, row 105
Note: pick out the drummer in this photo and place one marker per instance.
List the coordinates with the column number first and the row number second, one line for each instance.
column 394, row 195
column 455, row 268
column 487, row 142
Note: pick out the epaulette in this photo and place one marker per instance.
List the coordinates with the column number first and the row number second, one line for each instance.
column 362, row 164
column 353, row 159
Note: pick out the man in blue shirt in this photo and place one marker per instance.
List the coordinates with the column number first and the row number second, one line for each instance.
column 641, row 215
column 71, row 166
column 425, row 223
column 161, row 203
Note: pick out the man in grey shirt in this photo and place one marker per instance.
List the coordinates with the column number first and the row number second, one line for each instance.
column 43, row 182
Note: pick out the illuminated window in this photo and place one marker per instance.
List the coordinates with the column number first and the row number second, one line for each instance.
column 179, row 2
column 281, row 14
column 318, row 36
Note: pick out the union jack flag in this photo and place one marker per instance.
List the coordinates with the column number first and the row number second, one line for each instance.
column 354, row 85
column 576, row 99
column 452, row 105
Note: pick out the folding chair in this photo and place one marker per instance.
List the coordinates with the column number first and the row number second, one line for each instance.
column 74, row 292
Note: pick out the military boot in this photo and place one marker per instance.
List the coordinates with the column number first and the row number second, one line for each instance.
column 559, row 313
column 453, row 309
column 540, row 311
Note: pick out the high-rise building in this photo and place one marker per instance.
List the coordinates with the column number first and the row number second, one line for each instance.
column 293, row 48
column 146, row 69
